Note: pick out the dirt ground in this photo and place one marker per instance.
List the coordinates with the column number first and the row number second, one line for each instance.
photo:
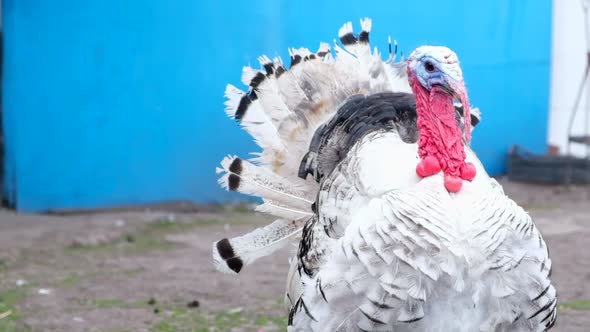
column 152, row 270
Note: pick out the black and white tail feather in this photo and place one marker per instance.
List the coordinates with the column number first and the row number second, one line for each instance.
column 281, row 110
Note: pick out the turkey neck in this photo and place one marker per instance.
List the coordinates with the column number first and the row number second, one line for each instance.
column 440, row 134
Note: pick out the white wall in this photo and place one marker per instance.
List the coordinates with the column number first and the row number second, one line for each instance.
column 567, row 69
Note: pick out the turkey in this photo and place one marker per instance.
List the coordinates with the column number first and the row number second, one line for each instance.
column 367, row 164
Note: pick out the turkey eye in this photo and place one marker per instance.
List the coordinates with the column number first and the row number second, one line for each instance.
column 429, row 66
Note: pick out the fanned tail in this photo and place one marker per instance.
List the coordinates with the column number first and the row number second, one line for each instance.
column 281, row 110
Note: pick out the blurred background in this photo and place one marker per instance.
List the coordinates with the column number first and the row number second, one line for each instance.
column 112, row 124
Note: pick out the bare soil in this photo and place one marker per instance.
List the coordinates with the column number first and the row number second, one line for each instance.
column 152, row 270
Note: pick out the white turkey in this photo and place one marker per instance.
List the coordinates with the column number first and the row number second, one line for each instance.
column 400, row 228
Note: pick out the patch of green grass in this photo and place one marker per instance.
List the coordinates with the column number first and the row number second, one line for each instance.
column 280, row 323
column 3, row 264
column 128, row 244
column 576, row 305
column 117, row 303
column 225, row 321
column 150, row 237
column 242, row 209
column 109, row 303
column 8, row 303
column 143, row 242
column 74, row 278
column 71, row 279
column 179, row 319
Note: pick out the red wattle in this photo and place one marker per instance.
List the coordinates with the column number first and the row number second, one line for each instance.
column 428, row 166
column 453, row 183
column 440, row 145
column 468, row 171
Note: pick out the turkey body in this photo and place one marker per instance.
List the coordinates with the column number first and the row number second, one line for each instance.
column 380, row 248
column 389, row 251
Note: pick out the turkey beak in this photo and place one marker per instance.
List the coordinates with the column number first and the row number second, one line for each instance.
column 456, row 89
column 447, row 88
column 448, row 85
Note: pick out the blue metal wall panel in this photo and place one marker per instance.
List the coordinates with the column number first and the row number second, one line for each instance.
column 121, row 102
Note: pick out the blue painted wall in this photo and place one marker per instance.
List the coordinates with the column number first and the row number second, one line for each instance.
column 121, row 102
